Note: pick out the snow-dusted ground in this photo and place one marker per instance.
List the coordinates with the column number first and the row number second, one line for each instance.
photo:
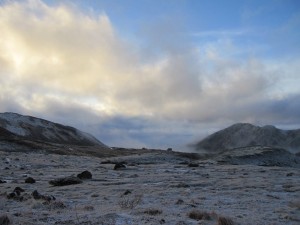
column 160, row 189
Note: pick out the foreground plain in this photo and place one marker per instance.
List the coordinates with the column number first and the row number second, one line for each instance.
column 156, row 187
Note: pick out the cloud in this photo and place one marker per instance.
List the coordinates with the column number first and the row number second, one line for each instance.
column 62, row 64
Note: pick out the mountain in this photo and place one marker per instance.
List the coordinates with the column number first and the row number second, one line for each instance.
column 15, row 126
column 245, row 134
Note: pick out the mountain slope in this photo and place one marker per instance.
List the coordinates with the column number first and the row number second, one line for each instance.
column 30, row 128
column 244, row 134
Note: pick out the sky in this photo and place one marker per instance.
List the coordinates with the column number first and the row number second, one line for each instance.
column 151, row 73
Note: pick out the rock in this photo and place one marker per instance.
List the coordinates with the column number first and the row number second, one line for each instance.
column 29, row 180
column 193, row 165
column 2, row 181
column 18, row 189
column 127, row 192
column 4, row 220
column 179, row 202
column 85, row 175
column 119, row 166
column 169, row 150
column 16, row 195
column 182, row 185
column 65, row 181
column 48, row 198
column 11, row 195
column 36, row 195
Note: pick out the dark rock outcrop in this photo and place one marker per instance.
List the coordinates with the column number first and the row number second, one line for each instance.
column 119, row 166
column 85, row 175
column 16, row 194
column 65, row 181
column 36, row 195
column 29, row 180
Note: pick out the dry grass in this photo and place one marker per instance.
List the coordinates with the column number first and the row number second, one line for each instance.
column 153, row 212
column 130, row 202
column 4, row 220
column 199, row 215
column 225, row 221
column 295, row 204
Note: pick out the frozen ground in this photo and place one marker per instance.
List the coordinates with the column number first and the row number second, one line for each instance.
column 155, row 188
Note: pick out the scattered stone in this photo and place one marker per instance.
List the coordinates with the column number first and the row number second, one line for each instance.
column 65, row 181
column 18, row 189
column 162, row 221
column 2, row 181
column 4, row 220
column 85, row 175
column 182, row 185
column 179, row 202
column 11, row 195
column 134, row 176
column 29, row 180
column 119, row 166
column 36, row 195
column 193, row 165
column 6, row 168
column 290, row 174
column 169, row 150
column 127, row 192
column 16, row 195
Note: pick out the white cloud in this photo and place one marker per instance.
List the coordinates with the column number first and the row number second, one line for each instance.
column 58, row 62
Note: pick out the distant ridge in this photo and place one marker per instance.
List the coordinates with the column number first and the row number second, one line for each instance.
column 13, row 125
column 245, row 134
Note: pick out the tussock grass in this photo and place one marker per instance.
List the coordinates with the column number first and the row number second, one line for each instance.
column 153, row 212
column 4, row 220
column 199, row 215
column 130, row 202
column 225, row 221
column 295, row 204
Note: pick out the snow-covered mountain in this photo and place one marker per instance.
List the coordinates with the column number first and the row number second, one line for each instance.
column 31, row 128
column 245, row 134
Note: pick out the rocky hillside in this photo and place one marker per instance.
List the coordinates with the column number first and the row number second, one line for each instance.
column 244, row 134
column 13, row 125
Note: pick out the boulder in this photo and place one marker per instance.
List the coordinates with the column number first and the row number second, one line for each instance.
column 119, row 166
column 85, row 175
column 29, row 180
column 65, row 181
column 36, row 195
